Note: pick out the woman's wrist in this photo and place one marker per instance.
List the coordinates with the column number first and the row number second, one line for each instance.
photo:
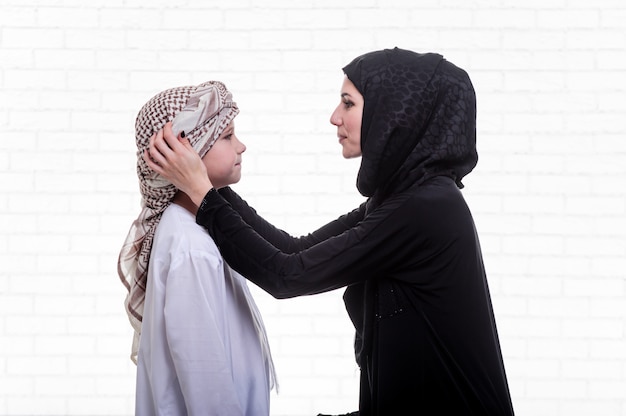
column 199, row 190
column 206, row 200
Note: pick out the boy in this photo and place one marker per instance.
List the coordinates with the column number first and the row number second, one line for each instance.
column 200, row 345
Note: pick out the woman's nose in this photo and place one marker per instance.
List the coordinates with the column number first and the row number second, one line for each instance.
column 335, row 120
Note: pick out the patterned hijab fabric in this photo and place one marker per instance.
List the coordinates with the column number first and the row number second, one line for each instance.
column 202, row 112
column 419, row 120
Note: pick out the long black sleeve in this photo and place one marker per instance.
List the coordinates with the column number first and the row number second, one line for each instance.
column 283, row 240
column 334, row 260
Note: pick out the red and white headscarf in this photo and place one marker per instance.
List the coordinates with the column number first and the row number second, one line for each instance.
column 202, row 112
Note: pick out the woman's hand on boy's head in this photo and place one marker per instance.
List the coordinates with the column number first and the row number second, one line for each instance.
column 175, row 160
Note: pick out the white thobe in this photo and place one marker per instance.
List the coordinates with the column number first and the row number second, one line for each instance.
column 200, row 349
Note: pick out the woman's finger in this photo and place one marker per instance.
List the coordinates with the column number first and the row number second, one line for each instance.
column 151, row 163
column 186, row 144
column 181, row 151
column 152, row 156
column 169, row 138
column 153, row 151
column 163, row 146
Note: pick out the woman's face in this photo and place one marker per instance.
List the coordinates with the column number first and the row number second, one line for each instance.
column 347, row 117
column 223, row 160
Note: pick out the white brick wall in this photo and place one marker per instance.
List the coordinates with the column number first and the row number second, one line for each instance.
column 548, row 194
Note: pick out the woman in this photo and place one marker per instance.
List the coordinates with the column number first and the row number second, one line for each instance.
column 409, row 257
column 200, row 345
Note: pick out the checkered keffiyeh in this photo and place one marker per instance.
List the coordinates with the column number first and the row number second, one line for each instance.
column 202, row 112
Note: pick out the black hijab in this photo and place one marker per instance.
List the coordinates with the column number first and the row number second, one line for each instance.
column 419, row 120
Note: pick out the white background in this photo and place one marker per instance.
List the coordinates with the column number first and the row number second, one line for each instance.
column 548, row 194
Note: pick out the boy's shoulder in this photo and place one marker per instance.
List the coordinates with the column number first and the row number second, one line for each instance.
column 178, row 229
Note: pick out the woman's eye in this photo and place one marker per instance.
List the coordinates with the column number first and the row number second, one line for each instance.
column 348, row 104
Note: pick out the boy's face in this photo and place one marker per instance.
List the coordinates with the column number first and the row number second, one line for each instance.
column 223, row 160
